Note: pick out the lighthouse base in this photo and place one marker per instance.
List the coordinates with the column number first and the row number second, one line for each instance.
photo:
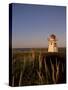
column 53, row 49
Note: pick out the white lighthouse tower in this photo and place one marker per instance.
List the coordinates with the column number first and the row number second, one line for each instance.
column 52, row 44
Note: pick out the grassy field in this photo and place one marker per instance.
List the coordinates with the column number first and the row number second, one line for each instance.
column 38, row 67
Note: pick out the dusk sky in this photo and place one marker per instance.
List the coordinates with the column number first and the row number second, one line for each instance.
column 32, row 25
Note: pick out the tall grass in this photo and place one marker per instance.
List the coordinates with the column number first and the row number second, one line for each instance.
column 37, row 69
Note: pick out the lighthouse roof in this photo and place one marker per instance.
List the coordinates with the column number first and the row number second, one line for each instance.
column 53, row 36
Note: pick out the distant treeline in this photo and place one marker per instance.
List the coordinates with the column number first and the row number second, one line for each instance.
column 61, row 49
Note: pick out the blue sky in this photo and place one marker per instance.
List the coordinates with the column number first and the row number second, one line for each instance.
column 32, row 25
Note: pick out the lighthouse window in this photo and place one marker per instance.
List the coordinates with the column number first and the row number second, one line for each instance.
column 54, row 44
column 51, row 43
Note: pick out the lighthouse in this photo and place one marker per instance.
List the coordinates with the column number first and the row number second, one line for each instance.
column 52, row 44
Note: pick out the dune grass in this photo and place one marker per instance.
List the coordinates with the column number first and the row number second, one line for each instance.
column 38, row 68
